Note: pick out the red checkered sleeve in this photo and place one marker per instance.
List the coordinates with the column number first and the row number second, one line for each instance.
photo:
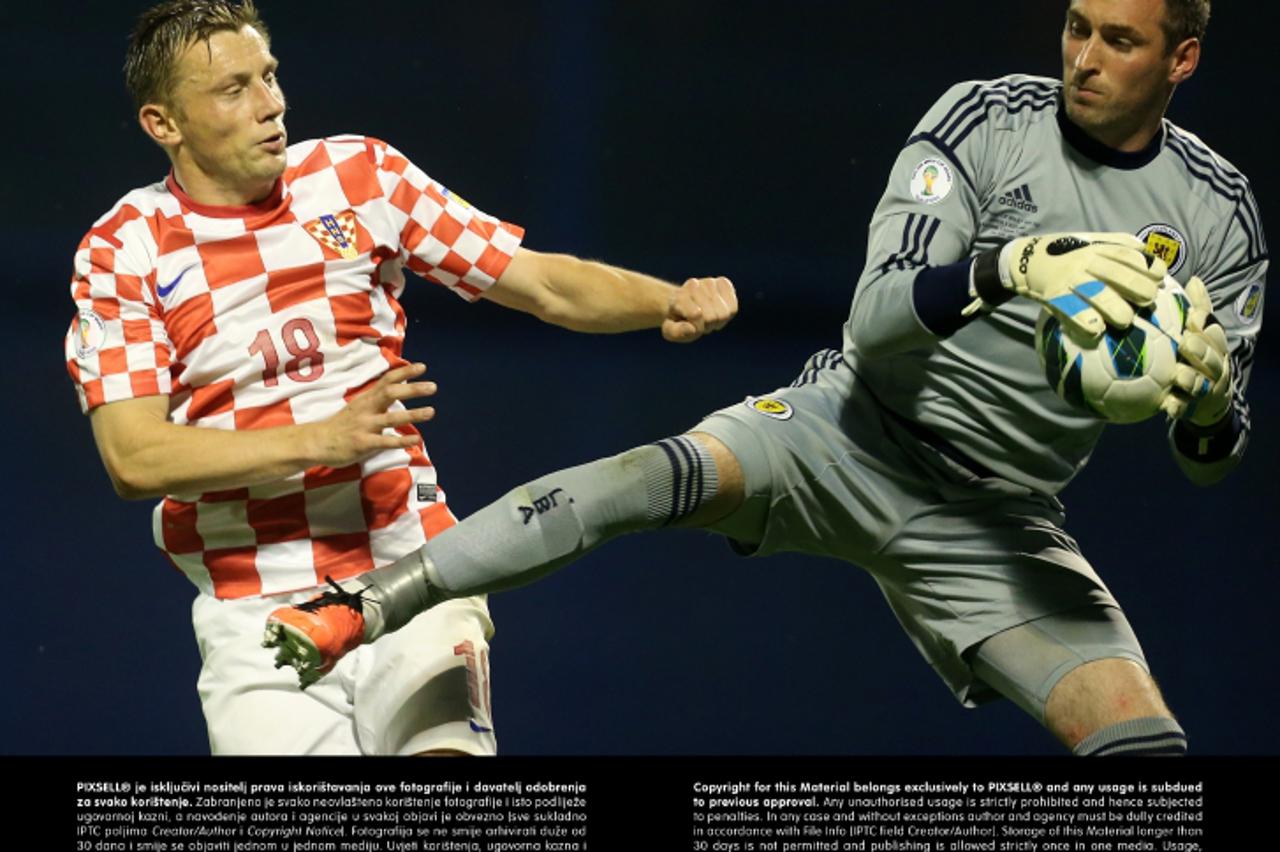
column 116, row 347
column 444, row 238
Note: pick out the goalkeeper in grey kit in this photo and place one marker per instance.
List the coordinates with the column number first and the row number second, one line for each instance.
column 929, row 449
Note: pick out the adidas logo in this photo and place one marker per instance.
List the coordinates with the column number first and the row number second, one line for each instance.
column 1019, row 199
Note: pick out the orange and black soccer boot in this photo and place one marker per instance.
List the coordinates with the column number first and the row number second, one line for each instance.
column 314, row 635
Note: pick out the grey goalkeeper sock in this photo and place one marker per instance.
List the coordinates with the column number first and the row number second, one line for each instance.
column 393, row 594
column 551, row 521
column 539, row 527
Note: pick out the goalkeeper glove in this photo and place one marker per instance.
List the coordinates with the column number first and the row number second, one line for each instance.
column 1201, row 394
column 1088, row 281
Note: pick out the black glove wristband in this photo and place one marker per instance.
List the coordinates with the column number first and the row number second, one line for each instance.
column 986, row 278
column 1208, row 443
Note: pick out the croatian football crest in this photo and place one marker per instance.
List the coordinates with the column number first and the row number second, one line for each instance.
column 337, row 232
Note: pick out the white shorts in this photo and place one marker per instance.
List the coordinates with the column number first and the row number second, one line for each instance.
column 423, row 688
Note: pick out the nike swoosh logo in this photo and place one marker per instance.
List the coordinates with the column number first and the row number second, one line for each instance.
column 164, row 291
column 479, row 729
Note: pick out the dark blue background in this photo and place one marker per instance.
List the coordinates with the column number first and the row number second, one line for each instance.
column 748, row 139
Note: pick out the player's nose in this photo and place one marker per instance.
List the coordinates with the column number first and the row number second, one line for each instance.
column 1086, row 59
column 270, row 101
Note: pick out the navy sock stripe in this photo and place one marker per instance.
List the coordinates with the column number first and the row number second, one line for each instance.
column 1166, row 739
column 690, row 464
column 1174, row 750
column 675, row 478
column 698, row 483
column 688, row 471
column 1121, row 750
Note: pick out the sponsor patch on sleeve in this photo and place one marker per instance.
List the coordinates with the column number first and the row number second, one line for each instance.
column 1249, row 303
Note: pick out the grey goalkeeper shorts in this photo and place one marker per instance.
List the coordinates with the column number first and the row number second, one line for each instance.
column 960, row 554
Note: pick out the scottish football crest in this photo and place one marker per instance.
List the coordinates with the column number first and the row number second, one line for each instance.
column 769, row 407
column 1167, row 243
column 337, row 232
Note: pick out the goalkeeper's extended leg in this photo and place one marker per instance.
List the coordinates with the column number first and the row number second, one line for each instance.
column 691, row 480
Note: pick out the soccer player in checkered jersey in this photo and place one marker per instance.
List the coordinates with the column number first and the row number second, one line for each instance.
column 238, row 349
column 929, row 450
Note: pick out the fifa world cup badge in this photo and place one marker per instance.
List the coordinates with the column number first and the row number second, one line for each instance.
column 90, row 333
column 931, row 181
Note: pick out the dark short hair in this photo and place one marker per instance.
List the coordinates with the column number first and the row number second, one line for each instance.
column 1184, row 19
column 165, row 30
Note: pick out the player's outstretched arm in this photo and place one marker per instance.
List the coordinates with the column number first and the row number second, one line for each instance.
column 147, row 456
column 1088, row 280
column 589, row 296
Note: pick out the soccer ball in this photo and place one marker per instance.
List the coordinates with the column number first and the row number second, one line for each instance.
column 1125, row 376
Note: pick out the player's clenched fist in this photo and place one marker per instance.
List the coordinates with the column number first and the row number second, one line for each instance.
column 699, row 306
column 362, row 427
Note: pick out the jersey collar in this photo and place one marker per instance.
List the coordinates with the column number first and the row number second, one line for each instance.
column 229, row 211
column 1100, row 153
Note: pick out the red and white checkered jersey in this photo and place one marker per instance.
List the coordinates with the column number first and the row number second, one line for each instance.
column 273, row 314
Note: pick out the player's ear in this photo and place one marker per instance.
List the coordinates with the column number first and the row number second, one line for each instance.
column 157, row 121
column 1185, row 59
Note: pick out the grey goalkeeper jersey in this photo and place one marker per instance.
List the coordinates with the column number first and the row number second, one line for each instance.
column 996, row 160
